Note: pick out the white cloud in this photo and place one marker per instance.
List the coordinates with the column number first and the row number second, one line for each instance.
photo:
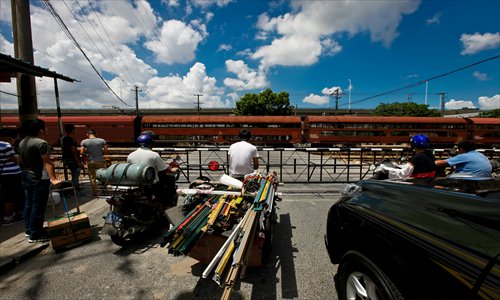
column 316, row 99
column 290, row 51
column 224, row 47
column 480, row 76
column 177, row 43
column 474, row 43
column 126, row 25
column 305, row 33
column 412, row 76
column 458, row 104
column 208, row 3
column 209, row 16
column 245, row 52
column 248, row 79
column 330, row 47
column 171, row 3
column 6, row 47
column 435, row 19
column 5, row 12
column 489, row 102
column 176, row 91
column 332, row 90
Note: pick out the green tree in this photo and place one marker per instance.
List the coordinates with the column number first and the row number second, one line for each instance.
column 494, row 113
column 410, row 109
column 266, row 103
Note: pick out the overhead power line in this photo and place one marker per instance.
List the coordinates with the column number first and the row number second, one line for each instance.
column 73, row 39
column 92, row 40
column 112, row 43
column 428, row 79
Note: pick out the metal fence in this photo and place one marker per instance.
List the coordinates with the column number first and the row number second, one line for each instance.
column 297, row 165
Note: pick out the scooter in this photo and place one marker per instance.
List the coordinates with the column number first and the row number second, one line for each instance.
column 136, row 203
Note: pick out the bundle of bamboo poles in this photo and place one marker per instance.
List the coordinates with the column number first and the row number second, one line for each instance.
column 234, row 255
column 244, row 212
column 215, row 214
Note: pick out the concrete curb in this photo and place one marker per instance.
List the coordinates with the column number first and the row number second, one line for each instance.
column 10, row 262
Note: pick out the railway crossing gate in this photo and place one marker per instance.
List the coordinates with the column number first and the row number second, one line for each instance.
column 297, row 165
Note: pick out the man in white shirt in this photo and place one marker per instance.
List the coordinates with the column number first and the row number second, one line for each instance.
column 162, row 185
column 243, row 157
column 145, row 155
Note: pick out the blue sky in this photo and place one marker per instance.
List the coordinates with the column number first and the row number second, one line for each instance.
column 224, row 49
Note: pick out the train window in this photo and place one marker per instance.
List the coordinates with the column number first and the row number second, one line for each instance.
column 400, row 133
column 487, row 127
column 492, row 134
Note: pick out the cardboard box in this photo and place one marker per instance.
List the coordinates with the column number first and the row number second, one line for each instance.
column 208, row 245
column 64, row 231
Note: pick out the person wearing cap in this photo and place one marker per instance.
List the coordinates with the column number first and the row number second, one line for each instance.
column 469, row 161
column 93, row 149
column 420, row 165
column 243, row 156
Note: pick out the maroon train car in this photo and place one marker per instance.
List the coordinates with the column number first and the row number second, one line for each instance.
column 366, row 131
column 485, row 132
column 197, row 130
column 114, row 129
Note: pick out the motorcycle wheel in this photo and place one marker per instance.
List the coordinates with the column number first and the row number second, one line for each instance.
column 119, row 240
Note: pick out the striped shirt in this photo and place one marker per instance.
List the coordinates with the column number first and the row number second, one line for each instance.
column 7, row 166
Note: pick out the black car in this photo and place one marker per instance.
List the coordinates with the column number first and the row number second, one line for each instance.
column 399, row 240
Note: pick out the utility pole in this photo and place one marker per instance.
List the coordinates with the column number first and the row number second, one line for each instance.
column 23, row 50
column 409, row 97
column 198, row 102
column 338, row 93
column 349, row 103
column 426, row 90
column 137, row 90
column 442, row 94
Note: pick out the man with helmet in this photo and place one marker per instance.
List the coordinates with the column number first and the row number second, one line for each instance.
column 145, row 155
column 420, row 165
column 243, row 157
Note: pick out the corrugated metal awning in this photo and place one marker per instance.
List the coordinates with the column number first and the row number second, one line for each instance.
column 10, row 67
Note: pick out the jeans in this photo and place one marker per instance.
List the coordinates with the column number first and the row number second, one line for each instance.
column 75, row 173
column 37, row 194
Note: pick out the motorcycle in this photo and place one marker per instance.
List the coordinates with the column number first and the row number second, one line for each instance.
column 136, row 203
column 379, row 172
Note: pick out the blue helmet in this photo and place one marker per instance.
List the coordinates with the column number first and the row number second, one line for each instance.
column 145, row 140
column 420, row 141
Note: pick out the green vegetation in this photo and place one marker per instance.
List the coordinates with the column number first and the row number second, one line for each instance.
column 266, row 103
column 494, row 113
column 409, row 109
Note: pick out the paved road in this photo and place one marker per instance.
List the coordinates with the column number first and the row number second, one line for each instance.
column 298, row 268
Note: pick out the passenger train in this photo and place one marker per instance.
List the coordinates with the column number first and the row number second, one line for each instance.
column 327, row 131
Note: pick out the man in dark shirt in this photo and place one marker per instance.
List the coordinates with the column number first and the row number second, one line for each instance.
column 71, row 156
column 420, row 165
column 38, row 174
